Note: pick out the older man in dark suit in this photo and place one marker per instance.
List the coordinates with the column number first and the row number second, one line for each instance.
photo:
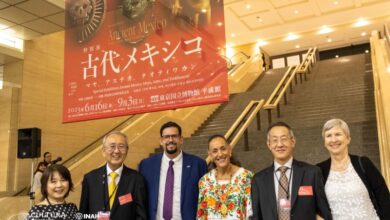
column 288, row 189
column 114, row 190
column 172, row 178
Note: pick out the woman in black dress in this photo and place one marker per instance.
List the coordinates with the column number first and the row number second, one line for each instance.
column 56, row 184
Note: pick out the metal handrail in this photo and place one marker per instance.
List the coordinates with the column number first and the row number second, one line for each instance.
column 273, row 101
column 241, row 124
column 243, row 129
column 307, row 63
column 240, row 52
column 246, row 56
column 280, row 91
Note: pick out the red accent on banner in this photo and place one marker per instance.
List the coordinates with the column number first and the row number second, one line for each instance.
column 127, row 57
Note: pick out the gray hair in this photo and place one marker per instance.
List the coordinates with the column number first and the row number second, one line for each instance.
column 336, row 122
column 116, row 133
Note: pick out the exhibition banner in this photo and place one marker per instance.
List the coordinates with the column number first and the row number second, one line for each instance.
column 125, row 57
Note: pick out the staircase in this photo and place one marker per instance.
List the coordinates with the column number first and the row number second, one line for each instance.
column 341, row 88
column 221, row 120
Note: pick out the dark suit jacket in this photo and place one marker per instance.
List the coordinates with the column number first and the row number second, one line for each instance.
column 302, row 207
column 193, row 169
column 372, row 179
column 94, row 194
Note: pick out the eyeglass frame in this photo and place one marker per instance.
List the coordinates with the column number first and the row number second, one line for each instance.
column 169, row 136
column 283, row 139
column 113, row 147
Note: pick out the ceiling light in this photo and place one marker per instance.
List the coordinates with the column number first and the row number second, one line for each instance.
column 361, row 22
column 388, row 68
column 324, row 30
column 219, row 23
column 335, row 2
column 248, row 6
column 291, row 36
column 363, row 34
column 337, row 56
column 233, row 35
column 7, row 39
column 261, row 43
column 204, row 10
column 329, row 40
column 366, row 51
column 296, row 12
column 297, row 46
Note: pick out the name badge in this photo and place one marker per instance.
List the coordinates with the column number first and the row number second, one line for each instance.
column 103, row 216
column 285, row 204
column 305, row 191
column 125, row 199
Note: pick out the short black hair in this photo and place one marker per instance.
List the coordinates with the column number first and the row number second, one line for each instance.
column 46, row 153
column 170, row 124
column 281, row 124
column 48, row 175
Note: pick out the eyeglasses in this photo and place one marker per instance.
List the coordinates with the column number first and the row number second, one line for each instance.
column 173, row 136
column 283, row 140
column 120, row 147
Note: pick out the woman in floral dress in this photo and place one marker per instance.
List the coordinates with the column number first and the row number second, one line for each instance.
column 225, row 191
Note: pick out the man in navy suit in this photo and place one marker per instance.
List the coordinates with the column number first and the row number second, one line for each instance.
column 172, row 178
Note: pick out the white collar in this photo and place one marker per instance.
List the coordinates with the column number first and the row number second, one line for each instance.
column 178, row 158
column 287, row 164
column 118, row 171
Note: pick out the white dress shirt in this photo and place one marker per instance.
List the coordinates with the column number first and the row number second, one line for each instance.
column 277, row 176
column 118, row 171
column 177, row 170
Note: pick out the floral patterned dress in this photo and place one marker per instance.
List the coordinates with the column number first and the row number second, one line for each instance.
column 225, row 199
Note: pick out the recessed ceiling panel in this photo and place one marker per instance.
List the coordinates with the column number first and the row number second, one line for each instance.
column 40, row 8
column 243, row 8
column 42, row 26
column 13, row 2
column 297, row 11
column 3, row 5
column 327, row 6
column 16, row 15
column 283, row 3
column 260, row 20
column 58, row 19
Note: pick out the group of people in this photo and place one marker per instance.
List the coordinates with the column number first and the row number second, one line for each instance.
column 176, row 185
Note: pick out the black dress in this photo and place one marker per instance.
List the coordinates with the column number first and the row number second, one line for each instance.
column 53, row 212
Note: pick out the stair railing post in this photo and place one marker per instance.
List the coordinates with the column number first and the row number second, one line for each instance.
column 285, row 98
column 269, row 116
column 246, row 140
column 291, row 88
column 278, row 109
column 258, row 121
